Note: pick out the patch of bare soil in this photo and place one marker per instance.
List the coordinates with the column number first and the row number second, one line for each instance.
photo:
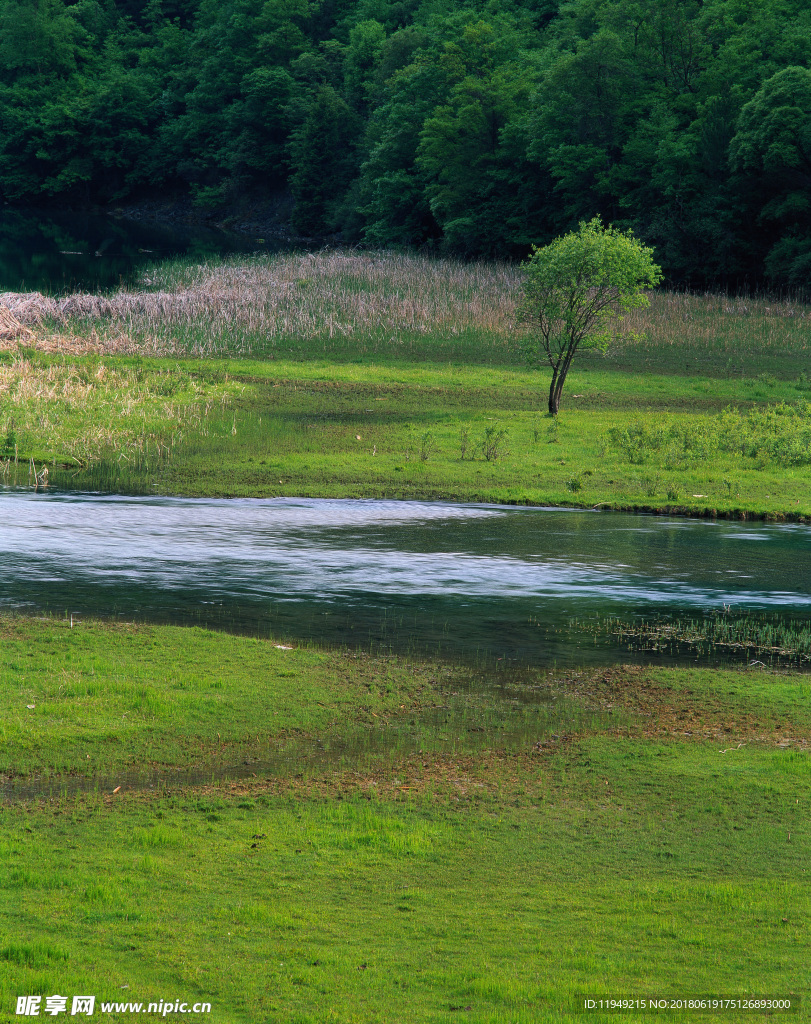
column 662, row 712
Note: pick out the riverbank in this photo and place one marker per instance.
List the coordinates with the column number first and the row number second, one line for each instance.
column 622, row 854
column 135, row 699
column 674, row 445
column 387, row 375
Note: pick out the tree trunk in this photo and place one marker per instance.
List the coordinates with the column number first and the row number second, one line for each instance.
column 555, row 389
column 558, row 380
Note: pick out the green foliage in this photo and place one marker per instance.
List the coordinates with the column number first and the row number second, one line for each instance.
column 773, row 143
column 494, row 443
column 779, row 433
column 10, row 445
column 476, row 129
column 362, row 61
column 322, row 153
column 577, row 290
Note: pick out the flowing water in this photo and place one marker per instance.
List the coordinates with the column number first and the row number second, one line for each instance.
column 465, row 581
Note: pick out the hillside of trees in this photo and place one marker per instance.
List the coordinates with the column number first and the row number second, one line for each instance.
column 476, row 128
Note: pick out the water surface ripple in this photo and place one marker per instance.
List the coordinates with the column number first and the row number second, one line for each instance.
column 463, row 578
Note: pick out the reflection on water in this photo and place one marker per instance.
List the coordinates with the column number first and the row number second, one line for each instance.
column 58, row 253
column 464, row 580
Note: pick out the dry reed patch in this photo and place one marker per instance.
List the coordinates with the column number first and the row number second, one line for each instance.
column 715, row 322
column 106, row 334
column 106, row 343
column 346, row 292
column 10, row 327
column 327, row 294
column 239, row 304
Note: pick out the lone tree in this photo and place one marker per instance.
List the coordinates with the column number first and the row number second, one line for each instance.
column 577, row 290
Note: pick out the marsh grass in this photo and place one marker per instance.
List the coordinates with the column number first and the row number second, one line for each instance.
column 338, row 304
column 386, row 305
column 130, row 708
column 748, row 636
column 718, row 335
column 77, row 413
column 362, row 436
column 398, row 425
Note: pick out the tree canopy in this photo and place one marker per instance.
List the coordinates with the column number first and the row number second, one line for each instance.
column 577, row 290
column 474, row 127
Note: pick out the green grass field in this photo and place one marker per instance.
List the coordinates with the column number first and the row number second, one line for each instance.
column 628, row 855
column 683, row 444
column 103, row 699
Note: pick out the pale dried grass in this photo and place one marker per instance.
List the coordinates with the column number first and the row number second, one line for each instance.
column 11, row 330
column 712, row 321
column 326, row 294
column 242, row 304
column 109, row 342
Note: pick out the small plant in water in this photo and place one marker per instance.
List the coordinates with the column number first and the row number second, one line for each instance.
column 748, row 635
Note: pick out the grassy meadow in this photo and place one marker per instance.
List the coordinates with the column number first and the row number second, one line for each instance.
column 391, row 375
column 137, row 698
column 395, row 307
column 311, row 836
column 625, row 853
column 461, row 433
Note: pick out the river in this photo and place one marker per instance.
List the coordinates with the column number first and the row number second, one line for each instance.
column 465, row 581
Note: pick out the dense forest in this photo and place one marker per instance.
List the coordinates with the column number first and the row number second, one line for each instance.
column 476, row 128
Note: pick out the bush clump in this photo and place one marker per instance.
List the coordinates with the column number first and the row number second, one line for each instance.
column 777, row 433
